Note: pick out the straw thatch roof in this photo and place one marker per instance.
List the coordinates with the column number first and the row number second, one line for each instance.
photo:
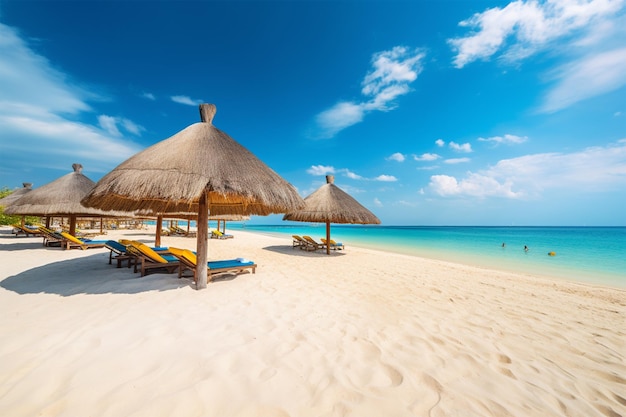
column 17, row 194
column 59, row 197
column 229, row 217
column 200, row 169
column 330, row 204
column 171, row 175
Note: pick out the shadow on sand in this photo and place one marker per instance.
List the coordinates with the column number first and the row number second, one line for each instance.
column 290, row 250
column 9, row 242
column 89, row 275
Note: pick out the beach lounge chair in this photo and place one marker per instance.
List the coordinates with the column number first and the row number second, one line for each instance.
column 18, row 229
column 216, row 234
column 313, row 244
column 50, row 237
column 175, row 230
column 150, row 260
column 298, row 242
column 188, row 261
column 71, row 241
column 333, row 245
column 121, row 254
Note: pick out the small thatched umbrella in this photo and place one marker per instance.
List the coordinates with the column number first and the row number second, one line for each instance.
column 60, row 197
column 199, row 169
column 17, row 194
column 330, row 204
column 223, row 218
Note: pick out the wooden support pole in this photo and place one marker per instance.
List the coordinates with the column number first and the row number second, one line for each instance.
column 202, row 245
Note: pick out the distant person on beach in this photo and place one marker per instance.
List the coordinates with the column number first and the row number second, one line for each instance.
column 525, row 248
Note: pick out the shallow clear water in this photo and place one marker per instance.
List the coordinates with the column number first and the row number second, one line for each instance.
column 587, row 254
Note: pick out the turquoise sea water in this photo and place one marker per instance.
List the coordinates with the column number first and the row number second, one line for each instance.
column 586, row 254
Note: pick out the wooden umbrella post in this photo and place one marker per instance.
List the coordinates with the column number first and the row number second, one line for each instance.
column 72, row 221
column 159, row 230
column 328, row 238
column 202, row 245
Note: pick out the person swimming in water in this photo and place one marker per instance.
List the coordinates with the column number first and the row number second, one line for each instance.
column 525, row 248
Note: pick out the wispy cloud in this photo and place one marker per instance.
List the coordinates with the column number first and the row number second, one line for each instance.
column 426, row 157
column 506, row 139
column 524, row 27
column 186, row 100
column 474, row 185
column 452, row 161
column 586, row 77
column 320, row 170
column 396, row 157
column 110, row 125
column 351, row 174
column 386, row 178
column 587, row 34
column 390, row 76
column 440, row 142
column 37, row 99
column 465, row 147
column 148, row 96
column 594, row 169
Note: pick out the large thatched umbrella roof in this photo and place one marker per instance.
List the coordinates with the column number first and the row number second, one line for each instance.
column 17, row 194
column 330, row 204
column 60, row 197
column 199, row 169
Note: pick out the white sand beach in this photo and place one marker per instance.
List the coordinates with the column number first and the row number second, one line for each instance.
column 357, row 333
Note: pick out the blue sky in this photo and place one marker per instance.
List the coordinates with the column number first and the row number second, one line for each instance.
column 427, row 112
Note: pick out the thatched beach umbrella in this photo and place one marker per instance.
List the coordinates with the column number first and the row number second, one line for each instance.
column 60, row 197
column 199, row 169
column 223, row 218
column 17, row 194
column 330, row 204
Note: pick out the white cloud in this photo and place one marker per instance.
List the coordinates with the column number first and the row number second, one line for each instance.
column 475, row 185
column 393, row 69
column 351, row 174
column 377, row 202
column 506, row 139
column 586, row 77
column 186, row 100
column 529, row 26
column 391, row 74
column 426, row 157
column 594, row 169
column 35, row 104
column 466, row 147
column 29, row 78
column 440, row 143
column 132, row 127
column 108, row 124
column 588, row 34
column 321, row 170
column 453, row 161
column 339, row 117
column 396, row 157
column 386, row 178
column 149, row 96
